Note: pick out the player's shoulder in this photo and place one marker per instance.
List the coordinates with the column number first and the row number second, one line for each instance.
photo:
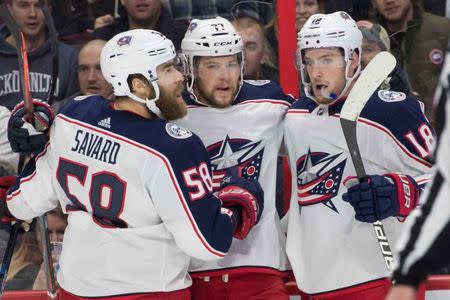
column 82, row 104
column 262, row 90
column 394, row 110
column 304, row 103
column 176, row 143
column 385, row 104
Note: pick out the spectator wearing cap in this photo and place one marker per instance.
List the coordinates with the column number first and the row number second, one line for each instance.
column 259, row 55
column 418, row 41
column 375, row 40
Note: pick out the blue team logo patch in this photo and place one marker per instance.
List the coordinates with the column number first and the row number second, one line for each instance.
column 391, row 96
column 243, row 154
column 177, row 132
column 319, row 177
column 125, row 40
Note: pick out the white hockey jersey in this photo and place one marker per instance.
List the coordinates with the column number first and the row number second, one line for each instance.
column 327, row 248
column 248, row 135
column 138, row 195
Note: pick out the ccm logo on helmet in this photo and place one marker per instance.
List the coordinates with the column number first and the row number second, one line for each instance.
column 223, row 43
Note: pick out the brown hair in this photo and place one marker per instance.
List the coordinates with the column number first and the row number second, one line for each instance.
column 28, row 253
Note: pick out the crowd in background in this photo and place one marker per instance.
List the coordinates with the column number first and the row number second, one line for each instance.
column 417, row 38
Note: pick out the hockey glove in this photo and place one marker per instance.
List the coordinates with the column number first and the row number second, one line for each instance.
column 377, row 197
column 7, row 219
column 245, row 198
column 5, row 183
column 29, row 138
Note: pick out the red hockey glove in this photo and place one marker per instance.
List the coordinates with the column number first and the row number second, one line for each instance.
column 6, row 218
column 377, row 197
column 246, row 199
column 5, row 183
column 29, row 138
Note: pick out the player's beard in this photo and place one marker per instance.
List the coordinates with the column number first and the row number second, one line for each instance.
column 209, row 97
column 171, row 107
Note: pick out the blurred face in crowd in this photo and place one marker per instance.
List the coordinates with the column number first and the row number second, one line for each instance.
column 142, row 11
column 326, row 71
column 90, row 74
column 171, row 84
column 56, row 227
column 29, row 17
column 252, row 34
column 394, row 11
column 217, row 79
column 304, row 9
column 369, row 50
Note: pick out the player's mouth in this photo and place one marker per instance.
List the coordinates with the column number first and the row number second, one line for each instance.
column 223, row 89
column 319, row 87
column 93, row 90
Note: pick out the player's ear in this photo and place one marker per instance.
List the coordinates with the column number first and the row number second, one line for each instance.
column 354, row 61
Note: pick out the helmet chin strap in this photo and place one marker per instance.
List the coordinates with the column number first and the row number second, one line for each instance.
column 149, row 103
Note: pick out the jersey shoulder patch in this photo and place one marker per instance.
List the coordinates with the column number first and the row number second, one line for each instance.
column 391, row 96
column 258, row 82
column 177, row 132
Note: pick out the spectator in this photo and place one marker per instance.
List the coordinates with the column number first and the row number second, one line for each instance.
column 30, row 19
column 57, row 223
column 146, row 14
column 26, row 262
column 26, row 269
column 259, row 58
column 90, row 74
column 305, row 9
column 89, row 71
column 72, row 17
column 418, row 41
column 375, row 40
column 8, row 160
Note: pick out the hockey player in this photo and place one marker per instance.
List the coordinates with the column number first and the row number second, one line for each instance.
column 424, row 244
column 137, row 188
column 240, row 124
column 331, row 243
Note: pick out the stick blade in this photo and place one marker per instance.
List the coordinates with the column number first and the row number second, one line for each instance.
column 370, row 79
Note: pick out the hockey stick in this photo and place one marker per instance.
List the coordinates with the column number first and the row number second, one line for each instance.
column 369, row 80
column 42, row 220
